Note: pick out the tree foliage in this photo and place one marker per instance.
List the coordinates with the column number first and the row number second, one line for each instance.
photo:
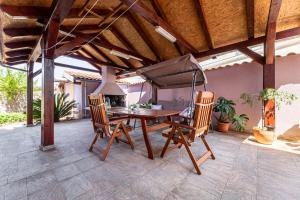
column 12, row 86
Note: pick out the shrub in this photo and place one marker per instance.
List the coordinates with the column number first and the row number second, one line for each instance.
column 7, row 118
column 62, row 107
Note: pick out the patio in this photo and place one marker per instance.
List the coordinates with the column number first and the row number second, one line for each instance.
column 240, row 171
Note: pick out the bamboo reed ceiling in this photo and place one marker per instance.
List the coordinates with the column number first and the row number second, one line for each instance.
column 201, row 27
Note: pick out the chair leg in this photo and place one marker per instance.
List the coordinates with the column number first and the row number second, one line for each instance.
column 127, row 135
column 94, row 141
column 207, row 147
column 171, row 134
column 185, row 143
column 111, row 140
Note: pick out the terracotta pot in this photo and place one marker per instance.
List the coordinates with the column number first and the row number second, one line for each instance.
column 223, row 127
column 264, row 136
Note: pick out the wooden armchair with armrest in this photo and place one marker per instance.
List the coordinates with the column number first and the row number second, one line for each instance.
column 182, row 134
column 108, row 127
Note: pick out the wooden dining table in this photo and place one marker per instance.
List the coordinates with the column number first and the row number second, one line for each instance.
column 144, row 115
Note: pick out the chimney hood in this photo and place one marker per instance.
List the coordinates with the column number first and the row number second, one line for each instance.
column 108, row 85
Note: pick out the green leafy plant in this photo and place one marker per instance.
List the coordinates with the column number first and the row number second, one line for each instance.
column 7, row 118
column 239, row 122
column 62, row 107
column 226, row 109
column 146, row 105
column 269, row 94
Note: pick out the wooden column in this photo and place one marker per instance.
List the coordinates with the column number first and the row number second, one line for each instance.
column 47, row 121
column 29, row 94
column 269, row 66
column 154, row 94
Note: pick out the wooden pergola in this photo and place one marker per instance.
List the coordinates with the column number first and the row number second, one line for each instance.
column 129, row 34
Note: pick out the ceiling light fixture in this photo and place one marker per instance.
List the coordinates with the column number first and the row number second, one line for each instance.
column 123, row 55
column 165, row 34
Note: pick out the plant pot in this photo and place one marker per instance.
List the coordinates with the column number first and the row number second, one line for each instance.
column 263, row 136
column 223, row 127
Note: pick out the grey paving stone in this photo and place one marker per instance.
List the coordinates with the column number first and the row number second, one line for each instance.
column 40, row 181
column 52, row 192
column 240, row 171
column 75, row 186
column 16, row 190
column 66, row 171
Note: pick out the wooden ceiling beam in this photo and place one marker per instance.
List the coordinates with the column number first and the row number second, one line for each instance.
column 271, row 31
column 127, row 63
column 20, row 44
column 125, row 42
column 21, row 32
column 160, row 13
column 250, row 17
column 247, row 43
column 203, row 24
column 81, row 39
column 59, row 10
column 251, row 54
column 142, row 10
column 17, row 59
column 16, row 62
column 18, row 53
column 90, row 60
column 143, row 34
column 111, row 14
column 35, row 12
column 98, row 50
column 80, row 56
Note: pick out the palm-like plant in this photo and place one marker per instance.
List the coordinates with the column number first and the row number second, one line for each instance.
column 239, row 122
column 62, row 107
column 226, row 109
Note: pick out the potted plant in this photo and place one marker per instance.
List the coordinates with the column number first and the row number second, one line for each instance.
column 270, row 98
column 226, row 109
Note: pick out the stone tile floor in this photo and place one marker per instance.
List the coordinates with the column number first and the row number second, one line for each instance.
column 240, row 171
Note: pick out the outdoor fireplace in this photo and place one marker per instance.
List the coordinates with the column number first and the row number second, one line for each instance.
column 111, row 90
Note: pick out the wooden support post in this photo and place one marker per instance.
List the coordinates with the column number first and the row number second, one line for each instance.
column 47, row 121
column 154, row 94
column 269, row 66
column 29, row 94
column 269, row 106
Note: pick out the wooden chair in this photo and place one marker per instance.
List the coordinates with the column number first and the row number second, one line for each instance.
column 111, row 128
column 182, row 134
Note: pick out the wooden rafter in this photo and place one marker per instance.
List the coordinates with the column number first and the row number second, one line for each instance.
column 80, row 56
column 127, row 63
column 143, row 34
column 59, row 10
column 20, row 45
column 83, row 38
column 271, row 31
column 20, row 32
column 16, row 59
column 122, row 38
column 35, row 12
column 18, row 53
column 203, row 24
column 161, row 14
column 111, row 14
column 250, row 17
column 99, row 51
column 155, row 20
column 247, row 43
column 255, row 56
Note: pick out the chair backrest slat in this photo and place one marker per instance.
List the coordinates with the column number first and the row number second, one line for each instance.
column 98, row 112
column 203, row 110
